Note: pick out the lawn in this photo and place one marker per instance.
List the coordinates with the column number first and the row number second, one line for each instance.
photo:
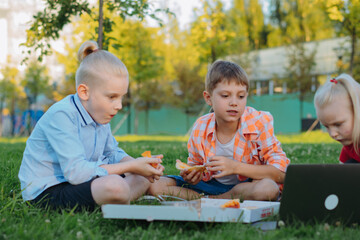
column 19, row 221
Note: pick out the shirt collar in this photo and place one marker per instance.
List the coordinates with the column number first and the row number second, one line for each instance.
column 245, row 119
column 247, row 122
column 85, row 116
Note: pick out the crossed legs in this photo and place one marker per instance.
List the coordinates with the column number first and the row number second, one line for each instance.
column 261, row 190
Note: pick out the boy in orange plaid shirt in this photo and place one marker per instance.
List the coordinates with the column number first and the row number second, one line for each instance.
column 236, row 143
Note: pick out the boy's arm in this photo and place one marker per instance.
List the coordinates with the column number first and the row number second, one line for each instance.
column 260, row 172
column 228, row 166
column 141, row 166
column 112, row 151
column 270, row 151
column 195, row 157
column 62, row 133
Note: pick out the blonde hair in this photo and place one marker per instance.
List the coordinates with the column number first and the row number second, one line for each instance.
column 342, row 86
column 94, row 63
column 227, row 71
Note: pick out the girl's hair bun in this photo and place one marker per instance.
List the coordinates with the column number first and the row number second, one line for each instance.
column 87, row 48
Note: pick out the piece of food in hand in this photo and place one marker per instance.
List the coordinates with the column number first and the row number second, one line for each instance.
column 148, row 155
column 235, row 203
column 183, row 166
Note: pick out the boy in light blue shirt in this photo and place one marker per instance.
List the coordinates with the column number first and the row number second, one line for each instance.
column 71, row 158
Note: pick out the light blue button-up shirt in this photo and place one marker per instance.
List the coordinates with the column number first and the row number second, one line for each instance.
column 66, row 145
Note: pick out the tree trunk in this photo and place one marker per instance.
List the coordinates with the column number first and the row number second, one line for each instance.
column 12, row 116
column 128, row 105
column 301, row 98
column 147, row 120
column 187, row 121
column 28, row 122
column 213, row 54
column 100, row 34
column 353, row 50
column 136, row 121
column 1, row 114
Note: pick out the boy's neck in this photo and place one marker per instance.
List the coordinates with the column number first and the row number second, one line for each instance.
column 225, row 132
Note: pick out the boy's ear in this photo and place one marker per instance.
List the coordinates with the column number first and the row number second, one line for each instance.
column 207, row 98
column 83, row 92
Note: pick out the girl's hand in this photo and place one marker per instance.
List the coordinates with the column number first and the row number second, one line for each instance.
column 191, row 177
column 223, row 166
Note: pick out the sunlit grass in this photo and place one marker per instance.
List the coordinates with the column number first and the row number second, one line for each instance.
column 136, row 138
column 311, row 137
column 13, row 139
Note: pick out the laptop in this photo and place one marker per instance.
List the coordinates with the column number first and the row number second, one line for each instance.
column 321, row 193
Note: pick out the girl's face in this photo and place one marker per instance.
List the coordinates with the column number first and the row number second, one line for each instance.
column 338, row 118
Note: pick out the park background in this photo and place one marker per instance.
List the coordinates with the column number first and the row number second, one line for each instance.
column 288, row 48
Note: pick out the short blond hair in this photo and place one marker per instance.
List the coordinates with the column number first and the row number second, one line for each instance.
column 227, row 71
column 94, row 63
column 342, row 86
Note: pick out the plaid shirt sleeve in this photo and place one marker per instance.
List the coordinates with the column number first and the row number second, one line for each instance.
column 270, row 151
column 196, row 156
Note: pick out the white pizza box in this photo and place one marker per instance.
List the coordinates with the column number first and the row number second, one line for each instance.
column 202, row 210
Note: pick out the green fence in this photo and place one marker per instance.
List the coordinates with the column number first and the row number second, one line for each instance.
column 170, row 121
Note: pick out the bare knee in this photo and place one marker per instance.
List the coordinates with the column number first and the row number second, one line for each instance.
column 266, row 190
column 111, row 189
column 161, row 186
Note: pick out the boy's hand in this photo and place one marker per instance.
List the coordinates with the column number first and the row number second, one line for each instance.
column 191, row 177
column 144, row 166
column 222, row 165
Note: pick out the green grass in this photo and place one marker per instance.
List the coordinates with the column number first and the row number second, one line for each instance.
column 19, row 221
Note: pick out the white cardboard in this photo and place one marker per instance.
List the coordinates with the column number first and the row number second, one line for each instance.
column 204, row 210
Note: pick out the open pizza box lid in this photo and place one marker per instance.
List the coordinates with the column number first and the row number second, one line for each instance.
column 202, row 210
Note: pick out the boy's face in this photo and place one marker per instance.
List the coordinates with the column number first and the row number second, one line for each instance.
column 104, row 99
column 228, row 101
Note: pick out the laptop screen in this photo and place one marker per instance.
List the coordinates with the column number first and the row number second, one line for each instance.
column 321, row 193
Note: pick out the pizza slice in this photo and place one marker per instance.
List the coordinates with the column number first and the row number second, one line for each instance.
column 183, row 166
column 148, row 155
column 234, row 203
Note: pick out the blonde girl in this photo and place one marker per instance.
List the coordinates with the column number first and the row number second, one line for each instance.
column 338, row 109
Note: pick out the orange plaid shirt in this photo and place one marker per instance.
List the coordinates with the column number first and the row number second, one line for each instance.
column 255, row 142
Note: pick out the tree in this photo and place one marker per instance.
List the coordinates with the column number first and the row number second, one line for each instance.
column 247, row 22
column 47, row 24
column 347, row 16
column 184, row 70
column 301, row 63
column 209, row 31
column 188, row 89
column 298, row 21
column 10, row 92
column 35, row 82
column 82, row 29
column 142, row 52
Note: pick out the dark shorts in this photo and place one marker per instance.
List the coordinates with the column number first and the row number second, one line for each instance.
column 212, row 187
column 66, row 195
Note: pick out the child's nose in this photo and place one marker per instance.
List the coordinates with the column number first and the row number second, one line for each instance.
column 233, row 101
column 118, row 105
column 333, row 133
